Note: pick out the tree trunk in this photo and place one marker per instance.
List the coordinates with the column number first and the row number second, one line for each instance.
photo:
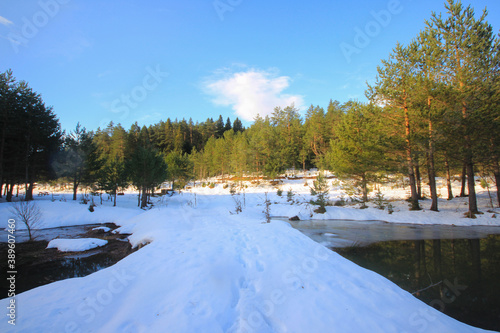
column 497, row 182
column 418, row 179
column 464, row 181
column 29, row 191
column 9, row 189
column 144, row 200
column 114, row 202
column 75, row 187
column 432, row 182
column 472, row 189
column 448, row 178
column 409, row 161
column 496, row 172
column 365, row 189
column 432, row 171
column 469, row 163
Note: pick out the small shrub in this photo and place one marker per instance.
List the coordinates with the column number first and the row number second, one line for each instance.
column 390, row 208
column 379, row 200
column 237, row 202
column 232, row 189
column 84, row 199
column 320, row 192
column 341, row 202
column 267, row 209
column 279, row 192
column 290, row 195
column 320, row 210
column 353, row 191
column 29, row 213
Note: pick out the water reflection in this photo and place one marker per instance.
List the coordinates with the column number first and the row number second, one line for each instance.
column 39, row 265
column 457, row 276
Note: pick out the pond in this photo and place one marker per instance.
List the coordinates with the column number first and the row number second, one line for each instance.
column 454, row 269
column 36, row 265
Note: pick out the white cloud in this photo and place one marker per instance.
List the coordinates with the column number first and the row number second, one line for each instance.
column 252, row 92
column 4, row 21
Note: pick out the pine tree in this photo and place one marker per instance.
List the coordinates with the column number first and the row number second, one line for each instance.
column 431, row 93
column 179, row 167
column 238, row 126
column 287, row 130
column 111, row 148
column 358, row 145
column 72, row 161
column 393, row 89
column 468, row 44
column 320, row 190
column 147, row 169
column 316, row 137
column 228, row 126
column 30, row 135
column 219, row 127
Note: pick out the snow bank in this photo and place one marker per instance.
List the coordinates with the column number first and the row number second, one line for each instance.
column 76, row 245
column 103, row 229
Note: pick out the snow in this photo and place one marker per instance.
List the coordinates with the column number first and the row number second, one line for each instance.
column 207, row 269
column 103, row 229
column 76, row 245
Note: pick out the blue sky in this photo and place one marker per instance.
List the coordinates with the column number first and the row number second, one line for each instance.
column 126, row 61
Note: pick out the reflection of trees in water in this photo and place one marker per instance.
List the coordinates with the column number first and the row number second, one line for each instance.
column 468, row 270
column 81, row 267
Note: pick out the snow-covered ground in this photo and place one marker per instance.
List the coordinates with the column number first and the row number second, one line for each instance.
column 208, row 269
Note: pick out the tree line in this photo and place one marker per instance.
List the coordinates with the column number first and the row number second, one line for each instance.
column 433, row 111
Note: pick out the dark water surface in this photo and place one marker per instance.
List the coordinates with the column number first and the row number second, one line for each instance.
column 36, row 265
column 454, row 269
